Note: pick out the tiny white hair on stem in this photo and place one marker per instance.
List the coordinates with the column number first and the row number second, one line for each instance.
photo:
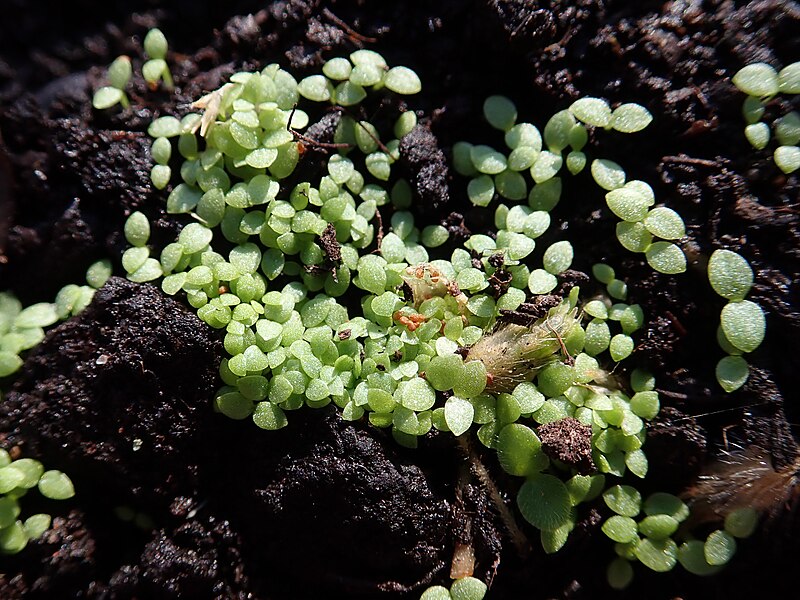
column 514, row 353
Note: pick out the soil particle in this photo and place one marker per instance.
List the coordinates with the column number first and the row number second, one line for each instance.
column 111, row 166
column 426, row 169
column 6, row 200
column 331, row 248
column 196, row 560
column 485, row 536
column 65, row 556
column 569, row 279
column 570, row 442
column 499, row 282
column 318, row 145
column 522, row 21
column 528, row 312
column 454, row 223
column 375, row 519
column 675, row 438
column 765, row 424
column 86, row 184
column 323, row 130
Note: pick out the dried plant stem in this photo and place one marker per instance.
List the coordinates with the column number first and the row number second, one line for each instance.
column 518, row 538
column 463, row 563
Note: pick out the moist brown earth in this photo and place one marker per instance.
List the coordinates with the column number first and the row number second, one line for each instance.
column 119, row 397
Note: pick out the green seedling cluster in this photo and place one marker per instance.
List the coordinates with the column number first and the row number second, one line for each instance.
column 762, row 82
column 530, row 172
column 616, row 288
column 742, row 322
column 16, row 479
column 154, row 70
column 23, row 328
column 650, row 539
column 20, row 330
column 119, row 74
column 320, row 304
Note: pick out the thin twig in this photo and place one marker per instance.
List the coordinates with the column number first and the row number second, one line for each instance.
column 717, row 412
column 311, row 141
column 349, row 30
column 670, row 394
column 688, row 160
column 380, row 144
column 569, row 360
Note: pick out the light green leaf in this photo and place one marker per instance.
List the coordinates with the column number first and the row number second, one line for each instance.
column 41, row 314
column 658, row 555
column 480, row 190
column 743, row 324
column 458, row 414
column 627, row 204
column 787, row 158
column 665, row 223
column 630, row 118
column 500, row 112
column 337, row 68
column 558, row 257
column 106, row 97
column 789, row 79
column 56, row 485
column 758, row 79
column 608, row 174
column 316, row 88
column 730, row 274
column 667, row 258
column 732, row 373
column 719, row 548
column 758, row 135
column 468, row 588
column 544, row 502
column 592, row 111
column 487, row 160
column 787, row 129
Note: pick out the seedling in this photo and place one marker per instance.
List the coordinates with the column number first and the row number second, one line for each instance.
column 464, row 350
column 16, row 479
column 155, row 69
column 23, row 328
column 742, row 322
column 493, row 174
column 119, row 73
column 761, row 82
column 471, row 347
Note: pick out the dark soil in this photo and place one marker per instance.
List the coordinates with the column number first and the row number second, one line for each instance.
column 119, row 397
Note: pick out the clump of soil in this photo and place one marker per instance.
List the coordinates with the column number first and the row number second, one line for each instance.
column 108, row 391
column 120, row 396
